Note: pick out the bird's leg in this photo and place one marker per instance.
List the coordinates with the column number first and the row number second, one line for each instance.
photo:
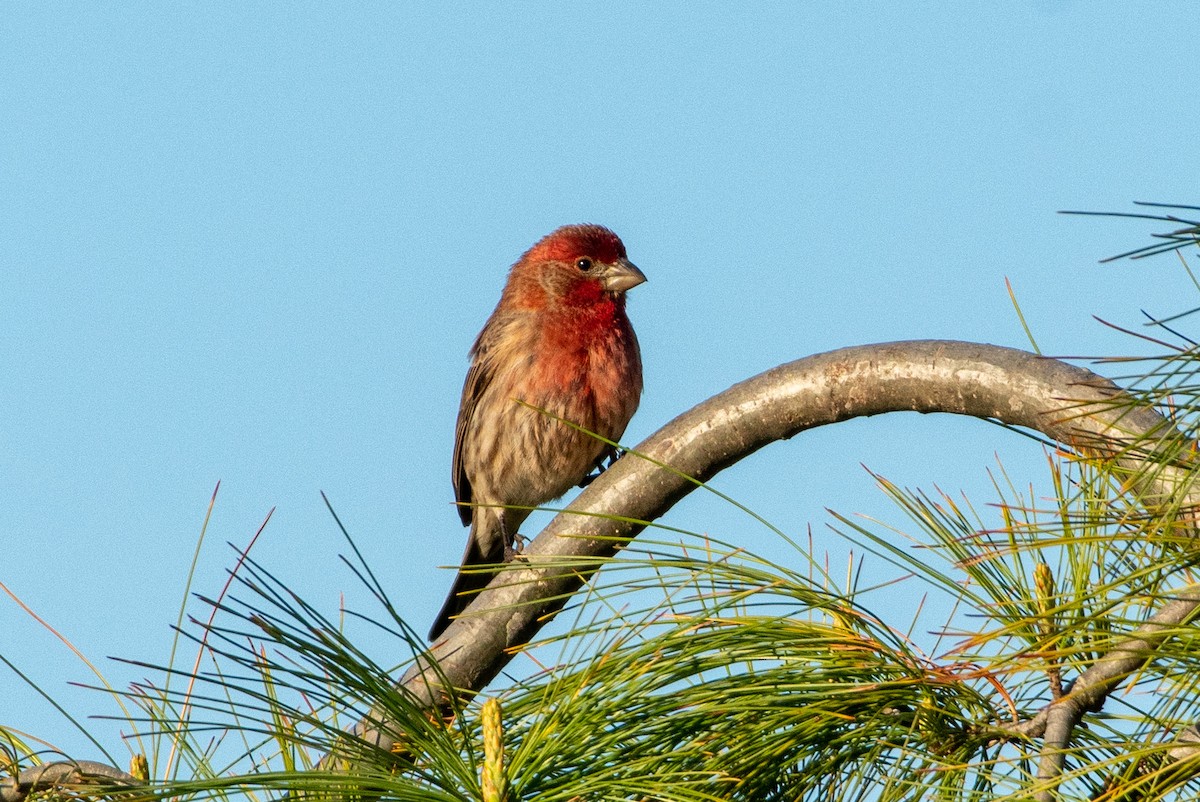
column 512, row 546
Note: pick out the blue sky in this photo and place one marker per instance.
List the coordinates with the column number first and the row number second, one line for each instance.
column 252, row 243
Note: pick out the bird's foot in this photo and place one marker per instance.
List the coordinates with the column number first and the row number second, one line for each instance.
column 512, row 551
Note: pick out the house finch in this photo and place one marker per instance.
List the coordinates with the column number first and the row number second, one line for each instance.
column 560, row 342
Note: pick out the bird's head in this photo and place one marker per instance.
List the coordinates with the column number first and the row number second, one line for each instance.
column 579, row 265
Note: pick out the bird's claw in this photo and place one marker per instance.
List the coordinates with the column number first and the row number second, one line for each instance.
column 512, row 551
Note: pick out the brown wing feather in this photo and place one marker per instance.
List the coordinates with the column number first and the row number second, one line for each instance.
column 479, row 377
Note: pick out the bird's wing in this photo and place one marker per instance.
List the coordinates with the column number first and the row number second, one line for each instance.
column 478, row 378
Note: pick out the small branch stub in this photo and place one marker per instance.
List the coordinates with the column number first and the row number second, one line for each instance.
column 76, row 776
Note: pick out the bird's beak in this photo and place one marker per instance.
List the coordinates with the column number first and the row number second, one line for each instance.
column 622, row 275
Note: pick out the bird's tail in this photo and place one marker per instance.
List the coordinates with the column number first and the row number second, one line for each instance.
column 466, row 585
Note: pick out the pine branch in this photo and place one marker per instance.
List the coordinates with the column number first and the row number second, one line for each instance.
column 1068, row 404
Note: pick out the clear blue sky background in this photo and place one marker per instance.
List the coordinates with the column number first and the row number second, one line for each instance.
column 252, row 243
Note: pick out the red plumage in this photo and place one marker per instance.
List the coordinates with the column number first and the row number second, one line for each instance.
column 559, row 340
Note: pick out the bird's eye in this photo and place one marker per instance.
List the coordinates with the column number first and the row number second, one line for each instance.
column 584, row 264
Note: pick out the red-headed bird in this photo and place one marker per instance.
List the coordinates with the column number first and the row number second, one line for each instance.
column 559, row 341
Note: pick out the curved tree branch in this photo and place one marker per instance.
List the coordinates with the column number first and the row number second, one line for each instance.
column 1066, row 403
